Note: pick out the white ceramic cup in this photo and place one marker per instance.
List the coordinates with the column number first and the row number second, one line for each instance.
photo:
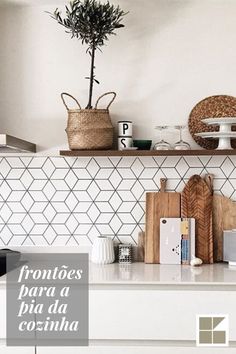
column 124, row 142
column 125, row 128
column 103, row 250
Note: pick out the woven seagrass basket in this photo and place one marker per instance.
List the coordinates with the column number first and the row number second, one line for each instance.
column 89, row 129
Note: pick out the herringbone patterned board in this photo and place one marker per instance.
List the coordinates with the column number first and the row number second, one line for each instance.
column 196, row 202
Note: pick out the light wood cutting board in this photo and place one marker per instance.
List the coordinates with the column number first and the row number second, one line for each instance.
column 158, row 205
column 224, row 218
column 196, row 202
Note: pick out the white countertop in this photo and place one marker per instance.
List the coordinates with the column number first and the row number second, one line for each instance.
column 156, row 274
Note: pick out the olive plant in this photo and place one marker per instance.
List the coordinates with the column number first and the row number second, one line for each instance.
column 91, row 22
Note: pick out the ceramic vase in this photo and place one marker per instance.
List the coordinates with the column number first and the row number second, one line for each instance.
column 103, row 250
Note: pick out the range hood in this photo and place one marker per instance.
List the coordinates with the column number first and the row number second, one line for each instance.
column 9, row 144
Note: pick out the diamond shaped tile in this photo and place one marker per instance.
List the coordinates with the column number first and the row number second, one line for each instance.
column 26, row 179
column 115, row 179
column 71, row 224
column 115, row 201
column 37, row 173
column 126, row 173
column 71, row 201
column 71, row 179
column 227, row 189
column 15, row 185
column 137, row 190
column 15, row 173
column 126, row 184
column 137, row 212
column 83, row 229
column 59, row 173
column 16, row 218
column 148, row 185
column 16, row 229
column 27, row 224
column 82, row 207
column 59, row 162
column 104, row 173
column 37, row 185
column 92, row 168
column 104, row 185
column 50, row 212
column 49, row 190
column 6, row 235
column 126, row 196
column 48, row 168
column 126, row 218
column 193, row 161
column 93, row 212
column 170, row 161
column 5, row 212
column 60, row 218
column 27, row 201
column 60, row 229
column 148, row 173
column 50, row 235
column 126, row 207
column 60, row 196
column 4, row 168
column 104, row 196
column 5, row 190
column 81, row 162
column 148, row 161
column 182, row 167
column 227, row 167
column 126, row 162
column 82, row 218
column 115, row 224
column 17, row 240
column 37, row 162
column 104, row 162
column 15, row 162
column 104, row 207
column 137, row 167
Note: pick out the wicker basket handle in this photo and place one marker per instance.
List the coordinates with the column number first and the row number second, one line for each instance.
column 105, row 94
column 64, row 102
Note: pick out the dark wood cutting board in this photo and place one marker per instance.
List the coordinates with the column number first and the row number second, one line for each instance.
column 196, row 202
column 158, row 205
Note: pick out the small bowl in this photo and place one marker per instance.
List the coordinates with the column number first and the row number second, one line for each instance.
column 142, row 144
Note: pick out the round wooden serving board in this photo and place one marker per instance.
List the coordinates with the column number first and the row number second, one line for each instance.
column 213, row 106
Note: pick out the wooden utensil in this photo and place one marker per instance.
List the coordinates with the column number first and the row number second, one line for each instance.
column 196, row 202
column 224, row 218
column 158, row 205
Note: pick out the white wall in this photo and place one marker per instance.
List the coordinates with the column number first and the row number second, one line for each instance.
column 171, row 54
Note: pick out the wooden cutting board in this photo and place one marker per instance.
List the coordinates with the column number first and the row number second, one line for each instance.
column 224, row 218
column 196, row 202
column 158, row 205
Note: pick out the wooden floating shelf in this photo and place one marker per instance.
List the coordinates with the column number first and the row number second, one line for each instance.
column 146, row 152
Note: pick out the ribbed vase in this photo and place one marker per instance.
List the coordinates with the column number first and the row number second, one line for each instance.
column 103, row 250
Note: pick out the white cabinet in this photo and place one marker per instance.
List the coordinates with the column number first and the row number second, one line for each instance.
column 155, row 314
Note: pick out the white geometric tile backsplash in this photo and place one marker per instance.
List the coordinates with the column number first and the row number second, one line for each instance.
column 70, row 201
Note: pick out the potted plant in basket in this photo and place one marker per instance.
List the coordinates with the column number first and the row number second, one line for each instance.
column 91, row 22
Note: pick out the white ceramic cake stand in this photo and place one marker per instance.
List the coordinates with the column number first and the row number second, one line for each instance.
column 225, row 133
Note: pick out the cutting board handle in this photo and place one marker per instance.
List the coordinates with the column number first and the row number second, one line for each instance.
column 209, row 181
column 163, row 182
